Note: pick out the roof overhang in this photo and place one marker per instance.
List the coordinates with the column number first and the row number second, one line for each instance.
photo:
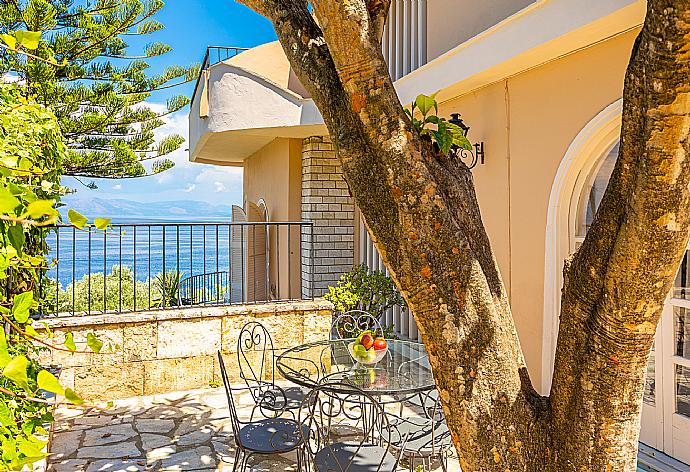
column 246, row 111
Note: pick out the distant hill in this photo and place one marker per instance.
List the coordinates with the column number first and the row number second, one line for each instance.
column 123, row 209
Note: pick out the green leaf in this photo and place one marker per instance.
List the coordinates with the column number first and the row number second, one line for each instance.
column 28, row 329
column 101, row 223
column 69, row 342
column 49, row 332
column 76, row 218
column 426, row 103
column 28, row 39
column 459, row 138
column 31, row 452
column 73, row 397
column 41, row 208
column 444, row 140
column 21, row 306
column 10, row 40
column 5, row 357
column 94, row 343
column 16, row 236
column 49, row 382
column 15, row 370
column 8, row 202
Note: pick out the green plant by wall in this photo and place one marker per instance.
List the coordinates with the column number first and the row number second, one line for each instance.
column 31, row 154
column 441, row 132
column 168, row 288
column 367, row 290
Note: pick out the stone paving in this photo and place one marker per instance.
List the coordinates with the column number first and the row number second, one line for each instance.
column 170, row 432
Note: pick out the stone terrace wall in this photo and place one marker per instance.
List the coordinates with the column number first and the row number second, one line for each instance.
column 172, row 350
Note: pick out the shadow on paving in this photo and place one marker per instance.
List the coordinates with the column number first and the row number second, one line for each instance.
column 171, row 432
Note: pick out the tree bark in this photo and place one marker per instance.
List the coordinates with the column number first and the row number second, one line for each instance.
column 422, row 211
column 617, row 283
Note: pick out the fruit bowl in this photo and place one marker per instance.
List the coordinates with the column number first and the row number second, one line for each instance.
column 366, row 356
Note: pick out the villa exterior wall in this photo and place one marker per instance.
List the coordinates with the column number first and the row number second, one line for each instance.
column 527, row 123
column 273, row 174
column 326, row 201
column 173, row 350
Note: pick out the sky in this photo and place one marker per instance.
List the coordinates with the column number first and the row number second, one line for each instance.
column 191, row 26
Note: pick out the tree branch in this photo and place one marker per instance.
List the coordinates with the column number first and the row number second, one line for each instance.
column 378, row 12
column 616, row 285
column 421, row 209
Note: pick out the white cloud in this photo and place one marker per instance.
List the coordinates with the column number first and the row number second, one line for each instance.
column 220, row 187
column 117, row 187
column 189, row 188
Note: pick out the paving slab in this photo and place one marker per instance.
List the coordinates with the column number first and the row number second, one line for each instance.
column 176, row 432
column 154, row 425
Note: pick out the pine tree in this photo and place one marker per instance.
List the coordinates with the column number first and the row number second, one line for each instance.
column 92, row 82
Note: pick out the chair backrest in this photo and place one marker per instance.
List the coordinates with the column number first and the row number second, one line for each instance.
column 231, row 400
column 334, row 407
column 350, row 323
column 256, row 360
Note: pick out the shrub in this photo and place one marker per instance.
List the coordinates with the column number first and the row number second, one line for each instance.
column 119, row 276
column 367, row 290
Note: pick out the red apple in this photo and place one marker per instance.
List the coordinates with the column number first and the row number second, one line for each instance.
column 380, row 344
column 367, row 340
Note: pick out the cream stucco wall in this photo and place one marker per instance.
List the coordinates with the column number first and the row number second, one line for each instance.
column 527, row 123
column 274, row 174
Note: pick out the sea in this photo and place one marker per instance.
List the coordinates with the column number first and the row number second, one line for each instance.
column 146, row 245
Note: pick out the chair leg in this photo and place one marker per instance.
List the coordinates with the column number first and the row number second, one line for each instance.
column 301, row 466
column 238, row 456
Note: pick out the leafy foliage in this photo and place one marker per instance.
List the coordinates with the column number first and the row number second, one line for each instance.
column 75, row 296
column 368, row 290
column 168, row 288
column 73, row 57
column 444, row 134
column 31, row 153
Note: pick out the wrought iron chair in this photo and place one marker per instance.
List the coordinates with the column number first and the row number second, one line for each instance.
column 363, row 447
column 263, row 437
column 426, row 435
column 350, row 323
column 257, row 365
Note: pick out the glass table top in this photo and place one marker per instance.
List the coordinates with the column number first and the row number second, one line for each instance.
column 404, row 369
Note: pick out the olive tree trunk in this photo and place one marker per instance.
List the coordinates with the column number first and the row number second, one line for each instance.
column 420, row 207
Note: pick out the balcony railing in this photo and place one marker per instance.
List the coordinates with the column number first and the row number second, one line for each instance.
column 405, row 37
column 214, row 55
column 135, row 267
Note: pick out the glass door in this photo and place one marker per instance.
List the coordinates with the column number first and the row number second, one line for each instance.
column 675, row 333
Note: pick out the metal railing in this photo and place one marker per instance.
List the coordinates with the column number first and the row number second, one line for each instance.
column 214, row 55
column 134, row 267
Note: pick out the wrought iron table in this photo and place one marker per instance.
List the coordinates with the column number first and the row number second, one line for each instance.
column 404, row 371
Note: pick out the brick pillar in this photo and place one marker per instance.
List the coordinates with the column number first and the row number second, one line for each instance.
column 326, row 202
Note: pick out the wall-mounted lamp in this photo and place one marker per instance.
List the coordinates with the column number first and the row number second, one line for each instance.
column 470, row 158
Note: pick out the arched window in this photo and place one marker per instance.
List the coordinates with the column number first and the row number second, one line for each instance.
column 593, row 192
